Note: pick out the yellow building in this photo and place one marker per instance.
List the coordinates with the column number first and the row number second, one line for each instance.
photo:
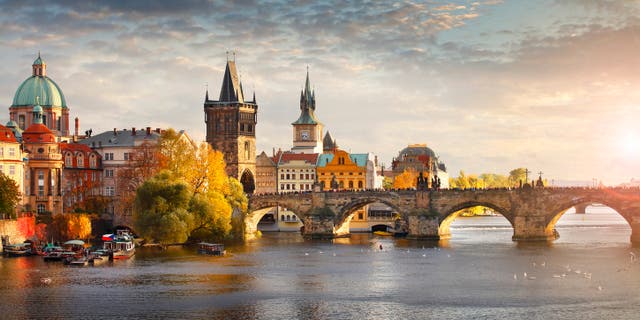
column 340, row 170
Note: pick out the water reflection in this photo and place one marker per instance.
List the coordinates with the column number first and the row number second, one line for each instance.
column 479, row 272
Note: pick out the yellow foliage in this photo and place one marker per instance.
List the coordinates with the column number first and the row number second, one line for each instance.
column 72, row 226
column 407, row 179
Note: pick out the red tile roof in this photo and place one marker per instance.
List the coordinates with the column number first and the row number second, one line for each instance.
column 38, row 133
column 307, row 157
column 6, row 135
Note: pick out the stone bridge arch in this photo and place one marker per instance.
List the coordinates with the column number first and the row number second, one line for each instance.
column 346, row 211
column 451, row 213
column 260, row 205
column 588, row 197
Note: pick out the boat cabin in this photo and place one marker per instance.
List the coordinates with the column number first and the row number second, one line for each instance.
column 214, row 249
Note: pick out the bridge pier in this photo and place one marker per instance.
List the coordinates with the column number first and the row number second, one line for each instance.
column 581, row 208
column 424, row 227
column 533, row 228
column 319, row 227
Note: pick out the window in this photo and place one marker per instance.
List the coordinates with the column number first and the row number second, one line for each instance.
column 0, row 168
column 21, row 121
column 281, row 186
column 282, row 176
column 12, row 152
column 110, row 191
column 67, row 160
column 282, row 217
column 108, row 173
column 288, row 176
column 247, row 150
column 92, row 161
column 80, row 160
column 108, row 156
column 127, row 156
column 12, row 170
column 250, row 129
column 41, row 208
column 40, row 183
column 359, row 184
column 1, row 152
column 360, row 216
column 350, row 184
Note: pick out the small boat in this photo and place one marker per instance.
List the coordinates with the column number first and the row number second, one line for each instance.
column 17, row 250
column 383, row 233
column 214, row 249
column 119, row 245
column 53, row 253
column 77, row 261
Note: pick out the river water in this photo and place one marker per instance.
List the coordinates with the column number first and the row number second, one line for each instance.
column 479, row 273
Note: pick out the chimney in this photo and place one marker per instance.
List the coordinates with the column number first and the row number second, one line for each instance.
column 273, row 152
column 77, row 126
column 148, row 130
column 133, row 131
column 115, row 131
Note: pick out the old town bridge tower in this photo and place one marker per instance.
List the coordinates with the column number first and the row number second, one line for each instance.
column 231, row 127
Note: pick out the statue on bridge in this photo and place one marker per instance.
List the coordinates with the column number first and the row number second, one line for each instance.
column 422, row 183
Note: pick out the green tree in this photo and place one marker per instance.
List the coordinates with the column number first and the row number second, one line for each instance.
column 161, row 210
column 9, row 195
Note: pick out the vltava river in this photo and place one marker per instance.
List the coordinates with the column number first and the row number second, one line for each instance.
column 479, row 274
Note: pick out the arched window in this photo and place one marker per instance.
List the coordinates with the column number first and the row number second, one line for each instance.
column 41, row 208
column 341, row 184
column 359, row 184
column 80, row 160
column 282, row 217
column 92, row 161
column 67, row 160
column 350, row 184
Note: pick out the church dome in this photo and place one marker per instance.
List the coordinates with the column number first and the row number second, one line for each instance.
column 39, row 85
column 417, row 150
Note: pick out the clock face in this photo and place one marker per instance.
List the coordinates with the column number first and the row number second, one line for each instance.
column 304, row 135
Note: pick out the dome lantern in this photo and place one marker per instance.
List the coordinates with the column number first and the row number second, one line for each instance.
column 39, row 67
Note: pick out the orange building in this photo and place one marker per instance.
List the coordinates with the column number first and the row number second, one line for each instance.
column 340, row 170
column 43, row 175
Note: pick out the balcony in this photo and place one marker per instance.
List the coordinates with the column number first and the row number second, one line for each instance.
column 51, row 156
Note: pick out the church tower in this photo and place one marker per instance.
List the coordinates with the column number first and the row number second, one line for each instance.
column 307, row 130
column 231, row 127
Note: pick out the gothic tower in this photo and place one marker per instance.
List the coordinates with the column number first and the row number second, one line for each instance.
column 307, row 130
column 231, row 127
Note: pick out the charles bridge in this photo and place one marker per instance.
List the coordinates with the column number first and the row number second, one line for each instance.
column 532, row 212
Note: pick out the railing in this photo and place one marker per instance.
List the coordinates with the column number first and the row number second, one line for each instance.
column 51, row 156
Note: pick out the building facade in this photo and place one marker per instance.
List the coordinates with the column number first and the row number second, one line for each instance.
column 423, row 160
column 266, row 173
column 81, row 177
column 128, row 157
column 43, row 176
column 296, row 171
column 231, row 128
column 11, row 162
column 342, row 171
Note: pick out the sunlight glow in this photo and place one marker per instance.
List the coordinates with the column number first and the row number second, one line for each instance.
column 630, row 145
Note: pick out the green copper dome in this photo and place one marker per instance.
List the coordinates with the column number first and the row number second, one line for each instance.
column 39, row 86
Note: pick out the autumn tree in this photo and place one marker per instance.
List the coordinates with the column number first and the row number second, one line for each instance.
column 9, row 196
column 71, row 226
column 407, row 179
column 161, row 210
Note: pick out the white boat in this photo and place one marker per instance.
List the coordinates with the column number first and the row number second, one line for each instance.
column 17, row 250
column 119, row 245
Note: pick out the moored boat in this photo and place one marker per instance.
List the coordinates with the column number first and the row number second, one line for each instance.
column 214, row 249
column 383, row 233
column 17, row 250
column 119, row 245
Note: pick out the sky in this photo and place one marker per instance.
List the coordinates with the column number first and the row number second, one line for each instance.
column 489, row 85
